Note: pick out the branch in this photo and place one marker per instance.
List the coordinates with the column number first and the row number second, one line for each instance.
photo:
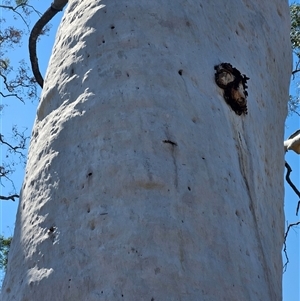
column 284, row 243
column 287, row 177
column 294, row 72
column 14, row 9
column 55, row 7
column 15, row 149
column 11, row 95
column 11, row 197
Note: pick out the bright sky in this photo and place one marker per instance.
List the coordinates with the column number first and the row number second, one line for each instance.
column 23, row 115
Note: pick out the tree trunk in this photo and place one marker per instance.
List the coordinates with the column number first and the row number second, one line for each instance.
column 142, row 183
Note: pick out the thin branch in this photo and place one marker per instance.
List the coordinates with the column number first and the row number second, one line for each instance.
column 13, row 148
column 284, row 244
column 14, row 9
column 11, row 95
column 10, row 197
column 298, row 206
column 296, row 111
column 23, row 6
column 294, row 72
column 287, row 177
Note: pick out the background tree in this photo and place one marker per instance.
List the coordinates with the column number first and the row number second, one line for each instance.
column 4, row 248
column 161, row 186
column 17, row 84
column 295, row 40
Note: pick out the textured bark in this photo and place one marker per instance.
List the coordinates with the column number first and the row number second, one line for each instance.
column 141, row 182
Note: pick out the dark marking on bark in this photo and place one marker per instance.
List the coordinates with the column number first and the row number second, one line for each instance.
column 180, row 72
column 51, row 230
column 173, row 149
column 170, row 142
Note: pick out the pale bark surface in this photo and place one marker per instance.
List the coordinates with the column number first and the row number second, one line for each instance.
column 110, row 209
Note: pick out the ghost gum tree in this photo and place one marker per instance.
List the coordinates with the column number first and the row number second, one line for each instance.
column 142, row 183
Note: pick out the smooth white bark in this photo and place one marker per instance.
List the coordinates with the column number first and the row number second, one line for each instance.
column 141, row 182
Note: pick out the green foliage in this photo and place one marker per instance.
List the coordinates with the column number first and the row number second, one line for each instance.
column 295, row 28
column 4, row 249
column 294, row 102
column 21, row 2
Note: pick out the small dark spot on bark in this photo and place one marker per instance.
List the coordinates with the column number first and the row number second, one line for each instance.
column 152, row 299
column 51, row 230
column 127, row 74
column 88, row 55
column 170, row 142
column 188, row 24
column 137, row 88
column 89, row 174
column 112, row 27
column 103, row 41
column 203, row 158
column 91, row 224
column 122, row 295
column 180, row 72
column 72, row 71
column 189, row 188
